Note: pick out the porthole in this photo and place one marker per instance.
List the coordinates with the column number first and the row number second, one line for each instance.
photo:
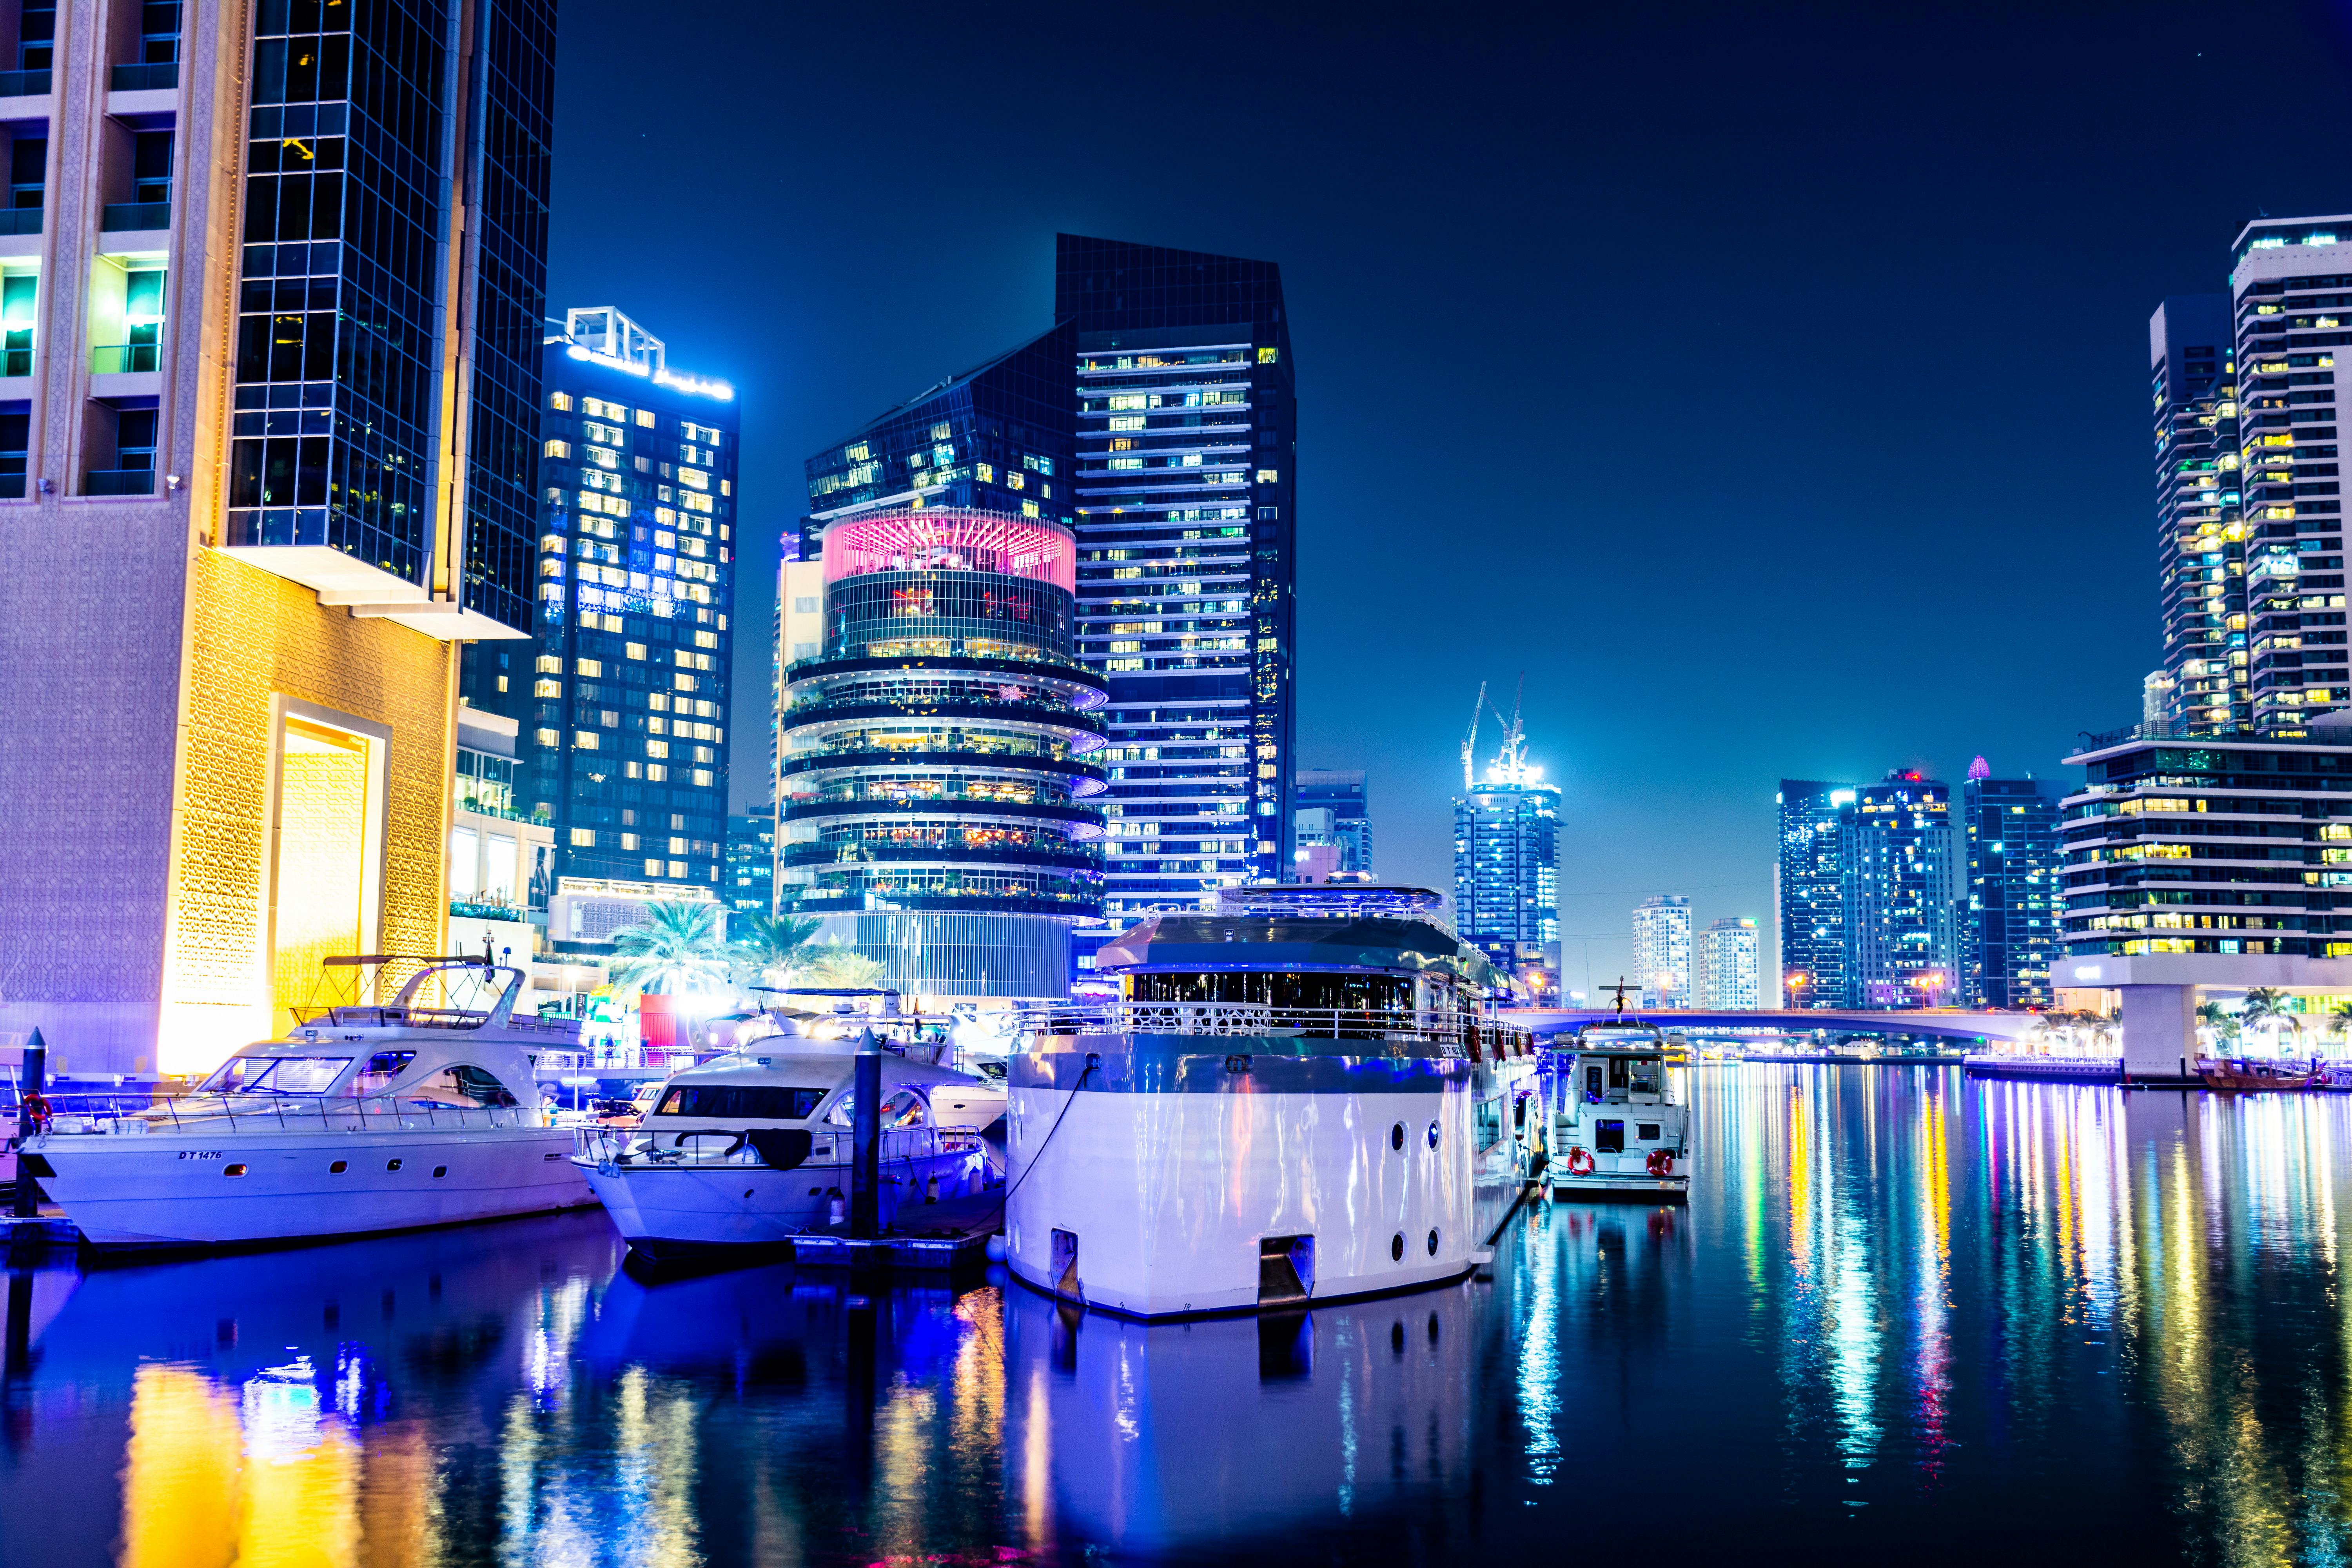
column 234, row 1171
column 1396, row 1136
column 391, row 1165
column 1432, row 1243
column 338, row 1167
column 441, row 1171
column 1433, row 1134
column 1396, row 1248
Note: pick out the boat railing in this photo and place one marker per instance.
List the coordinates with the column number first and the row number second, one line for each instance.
column 132, row 1114
column 1478, row 1036
column 710, row 1147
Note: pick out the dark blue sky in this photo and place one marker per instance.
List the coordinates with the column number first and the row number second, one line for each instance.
column 1769, row 384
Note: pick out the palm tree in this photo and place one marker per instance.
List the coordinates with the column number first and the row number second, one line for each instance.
column 2267, row 1005
column 2220, row 1019
column 676, row 948
column 769, row 947
column 839, row 966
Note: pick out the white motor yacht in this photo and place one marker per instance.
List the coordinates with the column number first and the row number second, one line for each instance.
column 1620, row 1104
column 362, row 1119
column 753, row 1148
column 1279, row 1110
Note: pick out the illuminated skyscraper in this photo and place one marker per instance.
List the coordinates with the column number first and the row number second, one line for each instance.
column 1895, row 894
column 1507, row 863
column 2014, row 905
column 1331, row 811
column 267, row 410
column 1808, row 893
column 1187, row 527
column 1723, row 964
column 2200, row 525
column 1662, row 950
column 622, row 694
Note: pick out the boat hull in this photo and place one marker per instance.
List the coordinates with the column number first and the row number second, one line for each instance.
column 1618, row 1189
column 678, row 1210
column 1152, row 1187
column 174, row 1190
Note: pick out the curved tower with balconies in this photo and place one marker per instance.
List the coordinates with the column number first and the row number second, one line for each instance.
column 937, row 793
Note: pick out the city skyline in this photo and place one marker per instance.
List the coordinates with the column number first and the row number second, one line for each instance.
column 855, row 320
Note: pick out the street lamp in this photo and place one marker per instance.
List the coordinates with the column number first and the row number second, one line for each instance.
column 1793, row 986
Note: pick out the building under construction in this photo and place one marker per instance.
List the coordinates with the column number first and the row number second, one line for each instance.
column 1506, row 857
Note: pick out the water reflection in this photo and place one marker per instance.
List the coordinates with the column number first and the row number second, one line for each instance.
column 1903, row 1310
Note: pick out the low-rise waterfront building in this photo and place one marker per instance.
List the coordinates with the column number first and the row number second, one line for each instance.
column 1330, row 811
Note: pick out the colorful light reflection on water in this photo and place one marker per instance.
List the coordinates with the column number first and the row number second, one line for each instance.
column 1903, row 1312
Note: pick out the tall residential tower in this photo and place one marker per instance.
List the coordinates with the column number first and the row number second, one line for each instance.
column 2014, row 854
column 269, row 291
column 1187, row 524
column 1662, row 950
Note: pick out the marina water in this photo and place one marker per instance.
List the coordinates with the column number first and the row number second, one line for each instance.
column 1904, row 1312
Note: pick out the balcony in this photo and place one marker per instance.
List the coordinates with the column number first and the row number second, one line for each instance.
column 23, row 84
column 120, row 359
column 120, row 482
column 134, row 216
column 144, row 78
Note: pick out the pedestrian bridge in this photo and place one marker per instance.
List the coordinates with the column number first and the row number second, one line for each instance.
column 1947, row 1023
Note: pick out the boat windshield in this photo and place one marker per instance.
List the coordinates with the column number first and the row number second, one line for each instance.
column 757, row 1102
column 275, row 1075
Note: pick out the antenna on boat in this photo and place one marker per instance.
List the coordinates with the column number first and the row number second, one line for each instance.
column 1622, row 986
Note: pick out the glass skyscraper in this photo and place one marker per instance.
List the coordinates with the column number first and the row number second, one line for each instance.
column 1186, row 521
column 1809, row 894
column 1507, row 869
column 1662, row 950
column 2014, row 853
column 621, row 693
column 1896, row 907
column 2199, row 515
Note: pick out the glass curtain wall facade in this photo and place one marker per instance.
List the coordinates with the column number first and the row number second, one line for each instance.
column 1187, row 529
column 2012, row 912
column 1894, row 864
column 1506, row 871
column 2240, row 846
column 345, row 299
column 941, row 796
column 1809, row 893
column 621, row 693
column 2200, row 513
column 1332, row 809
column 2291, row 290
column 751, row 862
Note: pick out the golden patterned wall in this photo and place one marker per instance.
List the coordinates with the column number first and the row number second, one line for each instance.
column 256, row 636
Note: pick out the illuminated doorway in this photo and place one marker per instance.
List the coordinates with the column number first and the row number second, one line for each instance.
column 327, row 860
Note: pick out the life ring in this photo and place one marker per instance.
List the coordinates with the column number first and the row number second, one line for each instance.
column 1579, row 1162
column 1661, row 1163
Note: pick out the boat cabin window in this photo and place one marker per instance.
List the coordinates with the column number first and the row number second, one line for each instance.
column 904, row 1109
column 463, row 1087
column 1645, row 1076
column 1647, row 1131
column 1331, row 992
column 275, row 1075
column 746, row 1101
column 1609, row 1137
column 379, row 1072
column 1595, row 1084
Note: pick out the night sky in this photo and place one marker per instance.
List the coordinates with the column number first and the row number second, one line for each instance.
column 1767, row 384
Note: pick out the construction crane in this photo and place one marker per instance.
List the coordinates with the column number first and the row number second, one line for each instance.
column 1512, row 760
column 1470, row 740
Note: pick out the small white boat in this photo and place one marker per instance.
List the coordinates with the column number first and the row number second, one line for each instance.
column 1620, row 1114
column 362, row 1119
column 748, row 1151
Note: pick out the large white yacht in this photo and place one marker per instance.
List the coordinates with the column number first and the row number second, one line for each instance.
column 362, row 1119
column 1284, row 1105
column 753, row 1148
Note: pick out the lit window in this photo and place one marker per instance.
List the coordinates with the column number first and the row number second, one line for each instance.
column 545, row 688
column 1267, row 476
column 592, row 666
column 657, row 747
column 645, row 417
column 1268, row 355
column 560, row 401
column 583, row 839
column 548, row 737
column 635, row 649
column 585, row 740
column 653, row 867
column 678, row 867
column 656, row 772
